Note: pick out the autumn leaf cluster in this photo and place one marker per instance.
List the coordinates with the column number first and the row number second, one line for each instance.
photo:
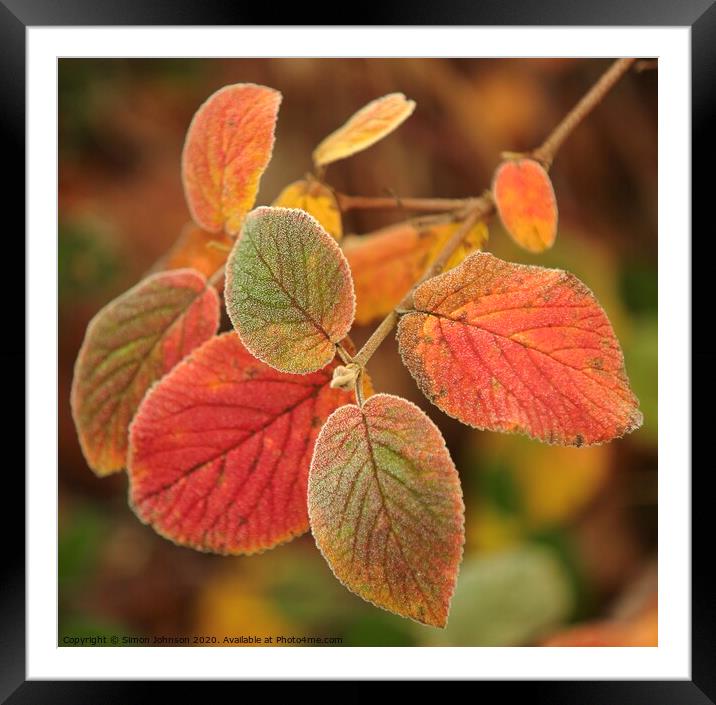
column 237, row 441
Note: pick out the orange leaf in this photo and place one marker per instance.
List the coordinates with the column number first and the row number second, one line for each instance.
column 386, row 507
column 366, row 127
column 198, row 249
column 129, row 345
column 316, row 199
column 227, row 149
column 510, row 347
column 386, row 264
column 220, row 449
column 526, row 203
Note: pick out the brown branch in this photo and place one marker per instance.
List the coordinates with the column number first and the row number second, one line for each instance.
column 546, row 151
column 646, row 65
column 481, row 208
column 431, row 205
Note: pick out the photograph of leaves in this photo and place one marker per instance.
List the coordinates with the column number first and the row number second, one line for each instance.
column 229, row 384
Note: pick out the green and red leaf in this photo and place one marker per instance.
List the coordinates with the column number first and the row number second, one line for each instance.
column 220, row 450
column 526, row 203
column 386, row 508
column 509, row 347
column 129, row 345
column 289, row 291
column 227, row 149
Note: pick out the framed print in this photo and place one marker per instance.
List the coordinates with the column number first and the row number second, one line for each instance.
column 369, row 339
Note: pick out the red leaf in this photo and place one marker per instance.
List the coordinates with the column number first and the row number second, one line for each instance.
column 220, row 449
column 129, row 345
column 509, row 347
column 386, row 507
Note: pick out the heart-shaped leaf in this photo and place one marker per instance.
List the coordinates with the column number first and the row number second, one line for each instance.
column 366, row 127
column 386, row 264
column 129, row 345
column 316, row 199
column 288, row 290
column 220, row 449
column 510, row 347
column 386, row 508
column 227, row 149
column 526, row 203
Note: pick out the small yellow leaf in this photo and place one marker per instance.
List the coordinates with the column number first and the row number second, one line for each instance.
column 369, row 125
column 317, row 200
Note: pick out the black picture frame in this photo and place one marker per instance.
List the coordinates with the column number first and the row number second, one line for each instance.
column 699, row 15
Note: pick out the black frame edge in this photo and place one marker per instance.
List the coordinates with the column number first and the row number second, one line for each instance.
column 390, row 12
column 699, row 14
column 12, row 126
column 703, row 118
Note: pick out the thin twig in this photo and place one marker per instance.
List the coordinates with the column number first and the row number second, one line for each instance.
column 482, row 208
column 646, row 65
column 376, row 338
column 546, row 151
column 430, row 205
column 216, row 278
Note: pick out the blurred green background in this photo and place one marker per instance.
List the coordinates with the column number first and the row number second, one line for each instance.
column 561, row 542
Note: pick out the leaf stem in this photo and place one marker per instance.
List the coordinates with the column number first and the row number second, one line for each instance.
column 376, row 338
column 358, row 389
column 216, row 278
column 481, row 209
column 477, row 209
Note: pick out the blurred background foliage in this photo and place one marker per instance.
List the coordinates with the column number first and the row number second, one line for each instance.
column 561, row 542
